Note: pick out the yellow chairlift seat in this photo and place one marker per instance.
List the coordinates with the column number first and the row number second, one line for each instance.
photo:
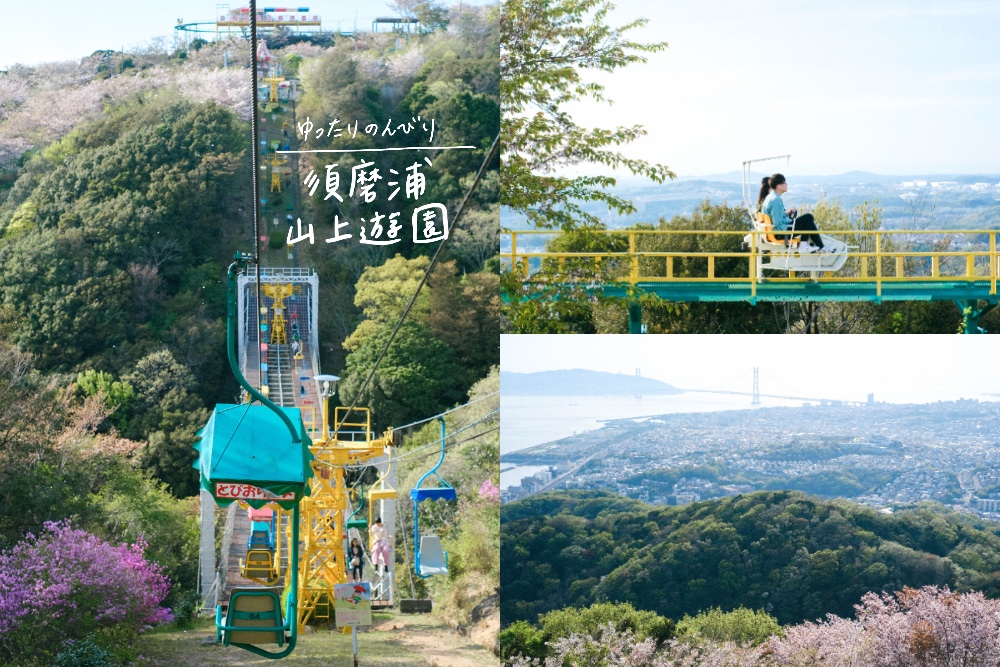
column 253, row 608
column 259, row 566
column 382, row 494
column 765, row 225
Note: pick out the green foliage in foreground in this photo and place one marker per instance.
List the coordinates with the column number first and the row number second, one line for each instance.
column 522, row 638
column 794, row 555
column 741, row 626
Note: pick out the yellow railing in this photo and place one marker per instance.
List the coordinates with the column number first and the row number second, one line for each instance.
column 874, row 257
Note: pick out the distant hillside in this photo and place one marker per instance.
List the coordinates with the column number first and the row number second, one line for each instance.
column 578, row 382
column 794, row 555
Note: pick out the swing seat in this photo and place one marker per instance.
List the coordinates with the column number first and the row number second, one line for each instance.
column 252, row 608
column 433, row 559
column 382, row 494
column 769, row 242
column 789, row 254
column 440, row 493
column 260, row 538
column 258, row 565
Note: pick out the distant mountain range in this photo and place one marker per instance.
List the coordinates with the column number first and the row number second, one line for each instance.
column 847, row 178
column 579, row 382
column 924, row 201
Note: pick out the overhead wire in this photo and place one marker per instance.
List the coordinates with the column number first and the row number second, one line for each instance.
column 433, row 443
column 446, row 412
column 423, row 280
column 460, row 442
column 255, row 156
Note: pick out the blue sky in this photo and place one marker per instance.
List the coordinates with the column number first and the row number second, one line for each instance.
column 897, row 368
column 893, row 86
column 71, row 29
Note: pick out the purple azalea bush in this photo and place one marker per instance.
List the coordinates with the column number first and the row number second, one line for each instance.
column 67, row 584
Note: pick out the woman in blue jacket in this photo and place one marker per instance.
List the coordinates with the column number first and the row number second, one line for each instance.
column 769, row 202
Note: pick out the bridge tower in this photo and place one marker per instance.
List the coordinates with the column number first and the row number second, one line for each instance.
column 756, row 388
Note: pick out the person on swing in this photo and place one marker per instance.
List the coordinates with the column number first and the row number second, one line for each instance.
column 769, row 202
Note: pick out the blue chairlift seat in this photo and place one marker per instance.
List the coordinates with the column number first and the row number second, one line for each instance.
column 261, row 536
column 433, row 559
column 440, row 493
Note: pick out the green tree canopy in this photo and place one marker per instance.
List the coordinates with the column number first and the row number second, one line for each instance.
column 548, row 45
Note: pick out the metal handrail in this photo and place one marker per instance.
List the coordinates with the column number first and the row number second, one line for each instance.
column 630, row 270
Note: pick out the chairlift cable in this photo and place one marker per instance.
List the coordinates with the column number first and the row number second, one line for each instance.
column 446, row 412
column 255, row 159
column 423, row 280
column 435, row 443
column 456, row 444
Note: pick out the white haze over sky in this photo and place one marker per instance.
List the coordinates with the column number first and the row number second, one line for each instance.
column 58, row 30
column 892, row 87
column 898, row 369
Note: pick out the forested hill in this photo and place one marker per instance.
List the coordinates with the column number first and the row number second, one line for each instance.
column 794, row 555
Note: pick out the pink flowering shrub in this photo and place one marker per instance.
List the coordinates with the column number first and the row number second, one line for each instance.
column 490, row 490
column 67, row 584
column 922, row 627
column 926, row 627
column 620, row 649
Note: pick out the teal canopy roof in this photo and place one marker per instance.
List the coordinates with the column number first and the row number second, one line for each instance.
column 246, row 453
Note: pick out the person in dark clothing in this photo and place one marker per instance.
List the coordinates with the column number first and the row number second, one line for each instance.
column 356, row 558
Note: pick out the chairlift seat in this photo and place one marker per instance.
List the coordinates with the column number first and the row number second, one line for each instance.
column 382, row 494
column 792, row 255
column 260, row 539
column 440, row 493
column 250, row 608
column 762, row 223
column 360, row 524
column 258, row 565
column 433, row 559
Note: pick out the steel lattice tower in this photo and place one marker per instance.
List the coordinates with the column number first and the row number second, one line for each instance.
column 756, row 388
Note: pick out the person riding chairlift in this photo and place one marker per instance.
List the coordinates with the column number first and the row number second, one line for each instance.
column 769, row 202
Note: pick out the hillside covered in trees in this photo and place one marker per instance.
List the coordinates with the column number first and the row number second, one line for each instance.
column 795, row 556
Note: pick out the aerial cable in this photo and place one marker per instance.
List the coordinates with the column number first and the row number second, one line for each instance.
column 434, row 443
column 454, row 444
column 446, row 412
column 255, row 158
column 437, row 254
column 437, row 441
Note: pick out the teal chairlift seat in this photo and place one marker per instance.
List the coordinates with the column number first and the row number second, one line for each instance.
column 354, row 521
column 258, row 454
column 429, row 558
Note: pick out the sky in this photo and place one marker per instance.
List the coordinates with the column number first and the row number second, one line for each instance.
column 71, row 29
column 898, row 369
column 891, row 87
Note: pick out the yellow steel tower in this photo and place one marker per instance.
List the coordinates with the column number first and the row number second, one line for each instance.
column 273, row 78
column 278, row 292
column 322, row 530
column 276, row 161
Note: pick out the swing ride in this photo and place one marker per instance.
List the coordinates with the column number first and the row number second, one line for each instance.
column 786, row 252
column 285, row 480
column 685, row 265
column 429, row 557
